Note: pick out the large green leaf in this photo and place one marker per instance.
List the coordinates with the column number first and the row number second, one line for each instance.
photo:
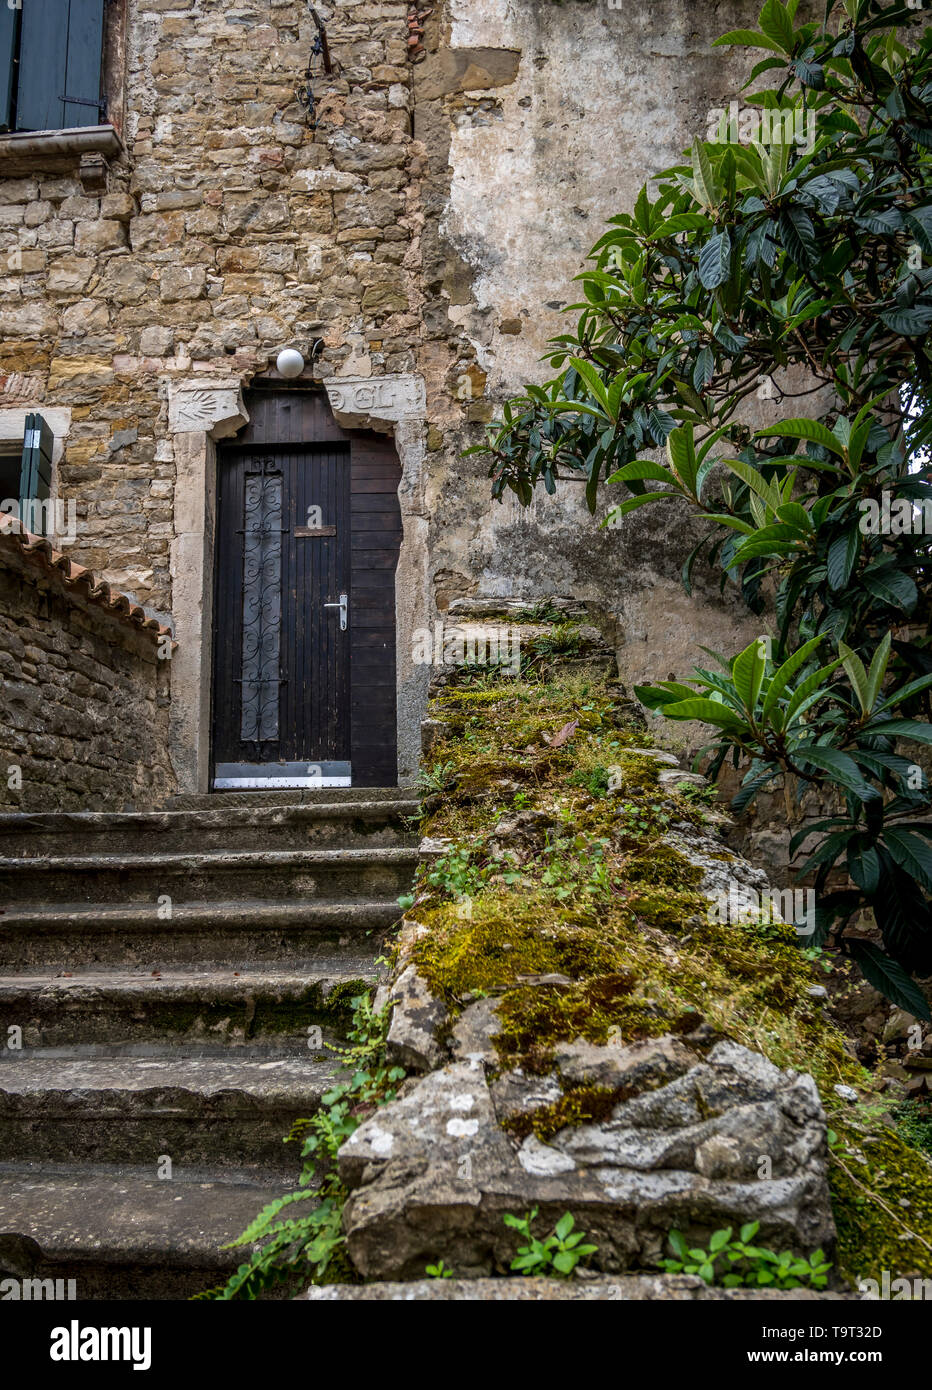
column 707, row 711
column 840, row 766
column 910, row 323
column 854, row 669
column 911, row 853
column 775, row 22
column 902, row 728
column 715, row 261
column 891, row 586
column 747, row 672
column 798, row 233
column 863, row 864
column 750, row 38
column 803, row 428
column 842, row 557
column 640, row 471
column 878, row 670
column 889, row 977
column 592, row 379
column 785, row 674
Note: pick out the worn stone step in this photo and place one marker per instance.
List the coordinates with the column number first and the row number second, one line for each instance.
column 617, row 1288
column 358, row 824
column 122, row 1233
column 88, row 1010
column 344, row 874
column 191, row 801
column 72, row 935
column 195, row 1110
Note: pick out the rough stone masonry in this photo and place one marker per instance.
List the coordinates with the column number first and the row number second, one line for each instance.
column 431, row 223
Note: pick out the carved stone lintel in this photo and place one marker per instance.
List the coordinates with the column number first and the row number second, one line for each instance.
column 213, row 408
column 376, row 402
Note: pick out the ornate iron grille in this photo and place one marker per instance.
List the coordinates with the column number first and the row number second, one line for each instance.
column 262, row 607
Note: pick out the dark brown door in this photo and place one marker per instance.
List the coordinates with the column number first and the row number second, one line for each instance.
column 308, row 534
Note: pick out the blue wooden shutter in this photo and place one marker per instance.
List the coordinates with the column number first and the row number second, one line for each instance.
column 35, row 476
column 8, row 29
column 60, row 64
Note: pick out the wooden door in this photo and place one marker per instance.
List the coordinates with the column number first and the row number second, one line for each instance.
column 308, row 534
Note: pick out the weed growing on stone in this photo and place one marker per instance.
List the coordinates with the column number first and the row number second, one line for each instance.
column 736, row 1263
column 557, row 1255
column 309, row 1248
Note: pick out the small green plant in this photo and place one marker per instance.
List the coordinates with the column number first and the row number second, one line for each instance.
column 702, row 796
column 309, row 1248
column 746, row 1264
column 438, row 1271
column 557, row 1255
column 596, row 781
column 457, row 873
column 819, row 959
column 575, row 864
column 435, row 779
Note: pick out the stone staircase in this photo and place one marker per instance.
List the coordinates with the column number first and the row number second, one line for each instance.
column 170, row 980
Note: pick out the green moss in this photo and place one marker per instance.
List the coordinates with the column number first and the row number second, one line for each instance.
column 617, row 914
column 638, row 773
column 661, row 866
column 579, row 1105
column 882, row 1200
column 341, row 996
column 504, row 940
column 914, row 1125
column 533, row 1020
column 666, row 910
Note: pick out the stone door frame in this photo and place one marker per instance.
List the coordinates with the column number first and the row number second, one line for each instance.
column 203, row 411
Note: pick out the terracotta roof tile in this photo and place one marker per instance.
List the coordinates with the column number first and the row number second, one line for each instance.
column 39, row 552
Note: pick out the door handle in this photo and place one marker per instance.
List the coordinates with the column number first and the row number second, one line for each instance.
column 343, row 606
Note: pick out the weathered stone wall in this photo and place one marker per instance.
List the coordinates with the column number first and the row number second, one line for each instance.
column 229, row 230
column 594, row 100
column 83, row 701
column 232, row 228
column 465, row 158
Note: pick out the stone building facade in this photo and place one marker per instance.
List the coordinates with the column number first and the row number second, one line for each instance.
column 415, row 240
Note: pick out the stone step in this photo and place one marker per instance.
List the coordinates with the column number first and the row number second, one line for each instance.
column 358, row 824
column 91, row 1010
column 121, row 1233
column 610, row 1288
column 345, row 874
column 71, row 935
column 231, row 1111
column 190, row 801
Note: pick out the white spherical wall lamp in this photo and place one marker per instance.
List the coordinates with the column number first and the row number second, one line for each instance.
column 290, row 363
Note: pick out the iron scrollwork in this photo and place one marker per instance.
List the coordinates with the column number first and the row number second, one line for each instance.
column 262, row 607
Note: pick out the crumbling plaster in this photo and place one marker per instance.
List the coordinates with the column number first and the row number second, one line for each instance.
column 602, row 98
